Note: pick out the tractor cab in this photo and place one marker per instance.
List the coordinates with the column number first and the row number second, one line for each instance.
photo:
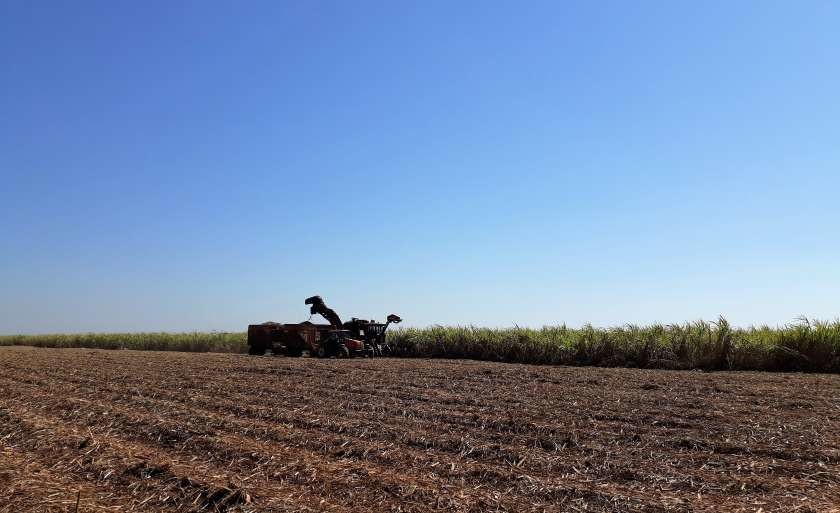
column 341, row 344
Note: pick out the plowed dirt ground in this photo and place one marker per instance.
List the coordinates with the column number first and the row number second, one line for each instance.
column 123, row 431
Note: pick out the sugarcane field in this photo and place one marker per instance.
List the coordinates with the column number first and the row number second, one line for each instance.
column 419, row 256
column 151, row 431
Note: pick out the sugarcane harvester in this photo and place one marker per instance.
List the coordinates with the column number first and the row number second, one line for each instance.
column 356, row 337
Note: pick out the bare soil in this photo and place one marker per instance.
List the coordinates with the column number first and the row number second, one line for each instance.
column 122, row 431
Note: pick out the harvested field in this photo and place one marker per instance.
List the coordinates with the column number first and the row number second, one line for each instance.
column 177, row 432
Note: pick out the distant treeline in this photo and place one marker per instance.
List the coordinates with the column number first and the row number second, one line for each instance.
column 809, row 346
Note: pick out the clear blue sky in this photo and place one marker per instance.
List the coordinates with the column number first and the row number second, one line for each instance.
column 203, row 165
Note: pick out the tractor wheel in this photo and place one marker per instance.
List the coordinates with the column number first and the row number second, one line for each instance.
column 321, row 352
column 343, row 352
column 256, row 350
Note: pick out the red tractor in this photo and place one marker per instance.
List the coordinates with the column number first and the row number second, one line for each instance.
column 356, row 337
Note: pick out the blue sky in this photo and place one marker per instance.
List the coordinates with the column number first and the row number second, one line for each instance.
column 203, row 165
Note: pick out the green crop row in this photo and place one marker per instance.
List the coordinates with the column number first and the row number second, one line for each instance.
column 216, row 342
column 811, row 346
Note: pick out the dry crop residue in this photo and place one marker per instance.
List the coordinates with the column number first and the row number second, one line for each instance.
column 177, row 432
